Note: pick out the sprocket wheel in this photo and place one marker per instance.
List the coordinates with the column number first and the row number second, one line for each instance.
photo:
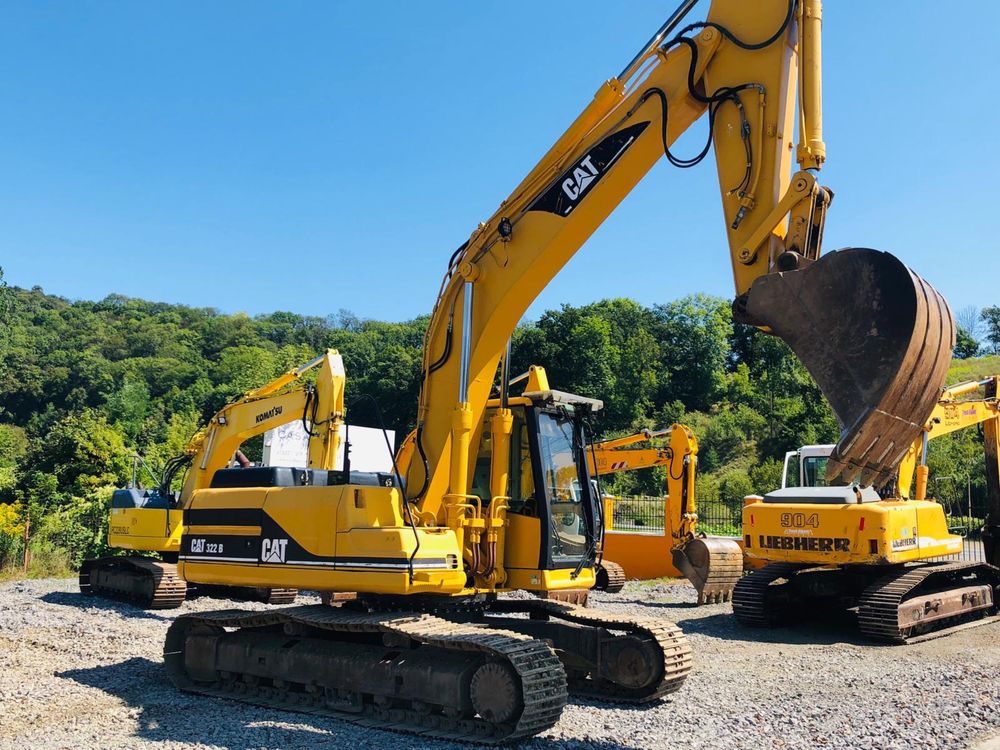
column 496, row 693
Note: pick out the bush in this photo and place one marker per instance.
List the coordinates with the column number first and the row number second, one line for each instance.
column 81, row 528
column 49, row 560
column 766, row 477
column 11, row 536
column 734, row 486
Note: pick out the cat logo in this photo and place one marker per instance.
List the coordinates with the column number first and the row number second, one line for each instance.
column 273, row 550
column 197, row 546
column 574, row 184
column 583, row 174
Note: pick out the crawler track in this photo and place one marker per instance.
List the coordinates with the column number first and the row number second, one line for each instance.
column 610, row 577
column 518, row 682
column 146, row 582
column 753, row 602
column 660, row 640
column 879, row 608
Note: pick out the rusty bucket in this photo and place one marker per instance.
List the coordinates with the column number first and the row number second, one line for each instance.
column 876, row 337
column 713, row 565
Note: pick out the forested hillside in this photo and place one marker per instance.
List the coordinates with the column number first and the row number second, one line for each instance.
column 86, row 385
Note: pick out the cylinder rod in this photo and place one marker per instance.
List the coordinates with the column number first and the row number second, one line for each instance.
column 463, row 375
column 669, row 25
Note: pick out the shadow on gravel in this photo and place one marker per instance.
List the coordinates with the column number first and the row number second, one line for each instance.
column 83, row 601
column 661, row 605
column 834, row 629
column 166, row 714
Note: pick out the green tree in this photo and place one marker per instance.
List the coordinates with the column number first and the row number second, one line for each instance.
column 991, row 319
column 693, row 335
column 965, row 345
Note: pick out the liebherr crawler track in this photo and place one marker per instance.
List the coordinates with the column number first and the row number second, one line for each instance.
column 927, row 601
column 146, row 582
column 402, row 671
column 899, row 604
column 753, row 596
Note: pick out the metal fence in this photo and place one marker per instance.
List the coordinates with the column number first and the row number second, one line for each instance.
column 721, row 517
column 965, row 513
column 644, row 514
column 638, row 514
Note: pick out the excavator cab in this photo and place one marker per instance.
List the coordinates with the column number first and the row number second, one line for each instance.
column 551, row 495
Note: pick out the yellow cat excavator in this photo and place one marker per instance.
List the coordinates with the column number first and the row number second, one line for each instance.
column 713, row 565
column 429, row 646
column 152, row 520
column 828, row 545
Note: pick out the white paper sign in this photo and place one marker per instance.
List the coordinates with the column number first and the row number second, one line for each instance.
column 288, row 445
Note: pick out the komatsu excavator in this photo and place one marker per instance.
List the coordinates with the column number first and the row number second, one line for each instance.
column 429, row 646
column 713, row 565
column 830, row 545
column 152, row 520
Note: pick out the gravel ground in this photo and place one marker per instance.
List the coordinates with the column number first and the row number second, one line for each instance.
column 77, row 672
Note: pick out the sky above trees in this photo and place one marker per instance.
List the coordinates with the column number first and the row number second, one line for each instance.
column 314, row 156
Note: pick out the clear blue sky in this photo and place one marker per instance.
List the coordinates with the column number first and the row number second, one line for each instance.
column 300, row 156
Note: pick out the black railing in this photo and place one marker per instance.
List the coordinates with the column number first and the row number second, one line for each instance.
column 638, row 514
column 644, row 514
column 721, row 517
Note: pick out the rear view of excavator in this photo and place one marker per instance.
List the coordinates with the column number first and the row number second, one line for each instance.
column 713, row 565
column 151, row 520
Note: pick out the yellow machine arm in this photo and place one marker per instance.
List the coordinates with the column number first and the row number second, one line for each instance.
column 267, row 407
column 680, row 457
column 951, row 415
column 712, row 564
column 742, row 68
column 610, row 456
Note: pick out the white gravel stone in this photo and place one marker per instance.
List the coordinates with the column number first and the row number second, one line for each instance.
column 80, row 672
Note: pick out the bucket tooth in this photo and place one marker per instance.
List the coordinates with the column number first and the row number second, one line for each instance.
column 876, row 337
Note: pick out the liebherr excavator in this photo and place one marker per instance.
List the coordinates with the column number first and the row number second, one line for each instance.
column 713, row 565
column 845, row 547
column 152, row 520
column 428, row 646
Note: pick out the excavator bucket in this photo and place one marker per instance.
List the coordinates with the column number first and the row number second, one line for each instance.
column 876, row 337
column 713, row 565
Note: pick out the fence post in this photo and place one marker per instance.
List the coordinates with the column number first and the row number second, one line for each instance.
column 27, row 554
